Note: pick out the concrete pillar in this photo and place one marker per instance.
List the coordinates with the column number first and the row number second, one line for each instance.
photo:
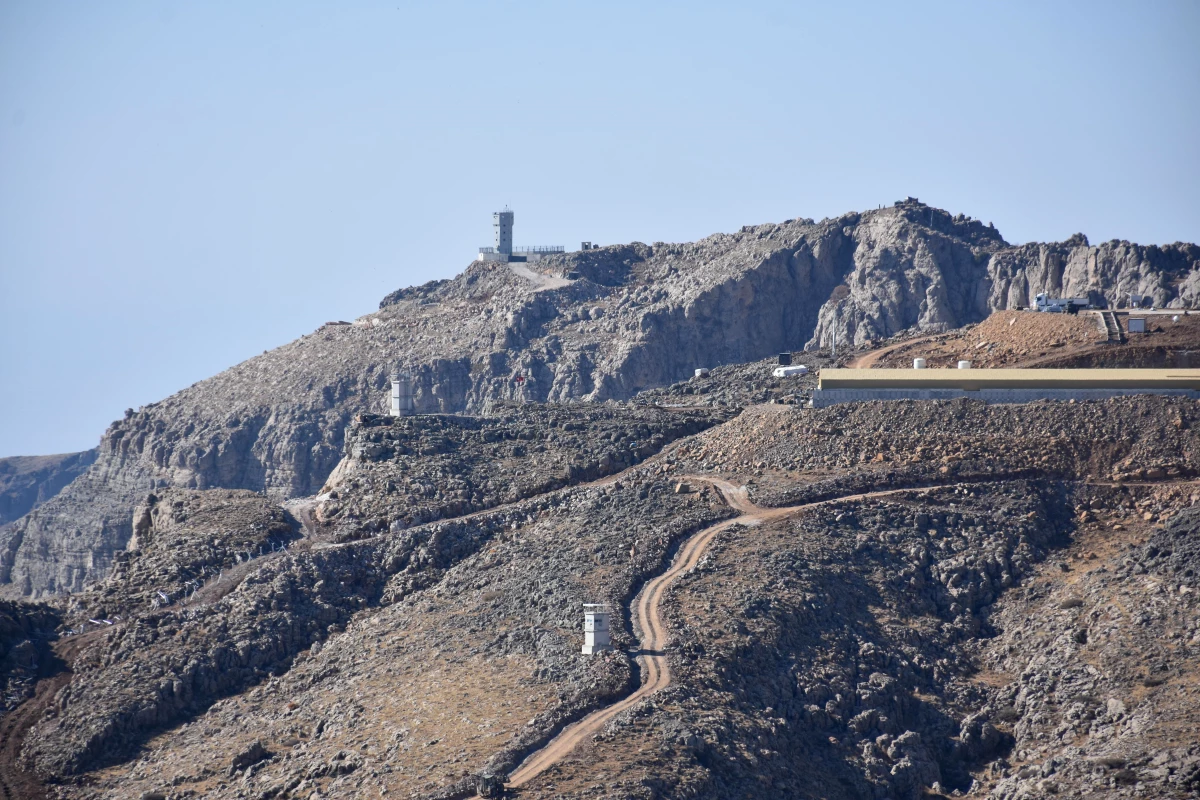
column 402, row 395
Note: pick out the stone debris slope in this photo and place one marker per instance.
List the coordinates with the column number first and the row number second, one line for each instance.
column 1014, row 618
column 597, row 325
column 1034, row 339
column 399, row 472
column 742, row 385
column 1095, row 665
column 184, row 540
column 786, row 455
column 350, row 631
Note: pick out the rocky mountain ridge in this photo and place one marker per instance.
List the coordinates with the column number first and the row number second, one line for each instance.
column 589, row 326
column 27, row 482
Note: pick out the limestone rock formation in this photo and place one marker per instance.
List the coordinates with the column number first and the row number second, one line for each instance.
column 590, row 326
column 27, row 482
column 920, row 266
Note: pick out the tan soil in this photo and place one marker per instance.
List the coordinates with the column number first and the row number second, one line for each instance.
column 1035, row 339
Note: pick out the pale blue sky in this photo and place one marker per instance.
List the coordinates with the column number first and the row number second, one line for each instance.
column 185, row 185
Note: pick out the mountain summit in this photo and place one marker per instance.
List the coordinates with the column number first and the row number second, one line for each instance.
column 595, row 325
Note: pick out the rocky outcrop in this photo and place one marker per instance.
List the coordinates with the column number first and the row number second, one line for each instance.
column 591, row 326
column 27, row 482
column 917, row 266
column 400, row 472
column 1111, row 270
column 913, row 266
column 182, row 540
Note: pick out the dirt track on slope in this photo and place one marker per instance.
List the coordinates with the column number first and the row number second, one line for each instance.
column 868, row 360
column 652, row 631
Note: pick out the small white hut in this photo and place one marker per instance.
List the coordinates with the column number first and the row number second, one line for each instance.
column 595, row 628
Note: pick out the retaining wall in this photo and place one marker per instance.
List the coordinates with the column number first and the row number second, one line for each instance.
column 829, row 397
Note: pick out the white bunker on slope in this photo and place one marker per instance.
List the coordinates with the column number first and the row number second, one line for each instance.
column 595, row 628
column 788, row 372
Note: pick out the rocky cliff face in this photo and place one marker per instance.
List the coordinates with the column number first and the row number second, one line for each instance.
column 27, row 482
column 919, row 266
column 597, row 325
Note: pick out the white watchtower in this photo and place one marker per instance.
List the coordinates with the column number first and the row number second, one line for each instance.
column 502, row 222
column 402, row 395
column 595, row 628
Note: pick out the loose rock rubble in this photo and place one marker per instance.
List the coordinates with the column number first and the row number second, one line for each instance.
column 183, row 541
column 494, row 602
column 403, row 471
column 742, row 385
column 1005, row 620
column 947, row 598
column 1096, row 663
column 598, row 325
column 1035, row 339
column 817, row 656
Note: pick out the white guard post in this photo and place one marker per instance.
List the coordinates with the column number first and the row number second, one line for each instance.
column 595, row 628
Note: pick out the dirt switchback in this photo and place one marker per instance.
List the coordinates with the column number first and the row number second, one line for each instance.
column 903, row 600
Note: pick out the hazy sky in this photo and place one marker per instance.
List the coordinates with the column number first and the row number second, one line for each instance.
column 185, row 185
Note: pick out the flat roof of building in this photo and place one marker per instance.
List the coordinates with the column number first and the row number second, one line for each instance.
column 973, row 379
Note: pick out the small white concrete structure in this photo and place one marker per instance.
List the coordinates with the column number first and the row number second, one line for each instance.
column 402, row 395
column 918, row 363
column 787, row 372
column 964, row 365
column 701, row 373
column 595, row 629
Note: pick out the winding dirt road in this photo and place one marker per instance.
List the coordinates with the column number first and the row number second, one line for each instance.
column 868, row 360
column 648, row 621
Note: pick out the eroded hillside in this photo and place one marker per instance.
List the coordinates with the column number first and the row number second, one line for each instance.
column 589, row 326
column 886, row 599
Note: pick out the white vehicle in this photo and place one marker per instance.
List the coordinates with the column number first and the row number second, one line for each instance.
column 788, row 372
